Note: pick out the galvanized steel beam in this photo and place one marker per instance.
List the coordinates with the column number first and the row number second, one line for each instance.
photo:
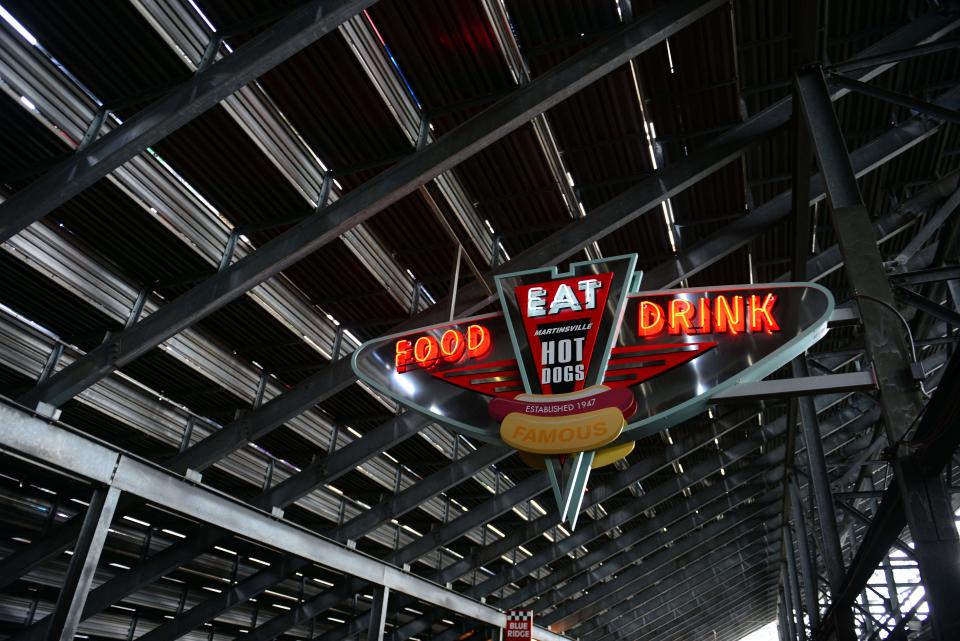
column 39, row 440
column 204, row 538
column 83, row 564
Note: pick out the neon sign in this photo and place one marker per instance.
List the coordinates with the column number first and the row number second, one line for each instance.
column 718, row 315
column 428, row 351
column 577, row 366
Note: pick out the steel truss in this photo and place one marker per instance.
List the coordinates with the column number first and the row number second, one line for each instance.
column 900, row 408
column 558, row 246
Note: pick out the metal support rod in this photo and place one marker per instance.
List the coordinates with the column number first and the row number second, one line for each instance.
column 793, row 583
column 137, row 309
column 933, row 225
column 94, row 129
column 83, row 564
column 454, row 283
column 228, row 250
column 862, row 62
column 924, row 304
column 820, row 485
column 787, row 610
column 782, row 621
column 807, row 560
column 452, row 235
column 51, row 364
column 892, row 596
column 948, row 115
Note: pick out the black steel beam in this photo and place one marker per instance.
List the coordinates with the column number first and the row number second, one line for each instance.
column 862, row 62
column 314, row 389
column 931, row 275
column 358, row 205
column 807, row 559
column 927, row 306
column 922, row 106
column 792, row 584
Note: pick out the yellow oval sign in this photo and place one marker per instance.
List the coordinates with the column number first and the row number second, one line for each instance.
column 562, row 434
column 605, row 456
column 612, row 454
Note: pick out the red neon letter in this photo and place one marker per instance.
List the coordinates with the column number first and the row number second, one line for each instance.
column 706, row 323
column 730, row 318
column 651, row 319
column 404, row 356
column 426, row 351
column 478, row 341
column 681, row 312
column 760, row 314
column 452, row 346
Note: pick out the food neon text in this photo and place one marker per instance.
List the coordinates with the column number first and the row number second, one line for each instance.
column 453, row 346
column 717, row 315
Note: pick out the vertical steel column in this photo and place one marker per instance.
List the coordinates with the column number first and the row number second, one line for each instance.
column 86, row 554
column 781, row 623
column 868, row 626
column 807, row 561
column 378, row 613
column 786, row 610
column 894, row 598
column 819, row 479
column 804, row 406
column 794, row 582
column 926, row 502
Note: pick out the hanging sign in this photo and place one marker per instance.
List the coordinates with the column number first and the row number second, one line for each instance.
column 519, row 625
column 578, row 365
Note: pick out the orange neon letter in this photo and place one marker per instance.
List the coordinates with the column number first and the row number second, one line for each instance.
column 651, row 319
column 404, row 356
column 452, row 346
column 426, row 351
column 730, row 318
column 478, row 341
column 681, row 312
column 706, row 322
column 760, row 314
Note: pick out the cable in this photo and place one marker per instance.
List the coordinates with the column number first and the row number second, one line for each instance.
column 906, row 326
